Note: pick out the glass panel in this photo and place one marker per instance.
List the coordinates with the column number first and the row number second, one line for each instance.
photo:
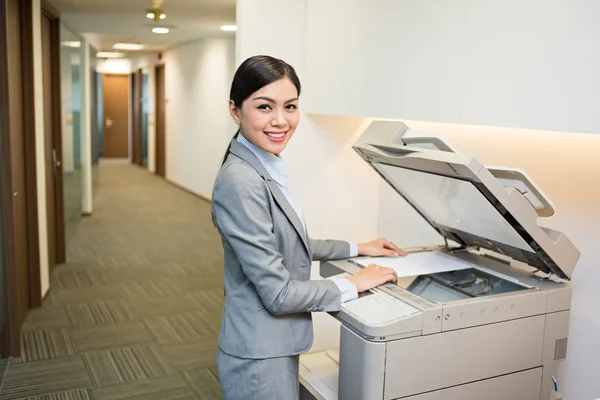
column 145, row 100
column 453, row 203
column 94, row 118
column 456, row 285
column 71, row 96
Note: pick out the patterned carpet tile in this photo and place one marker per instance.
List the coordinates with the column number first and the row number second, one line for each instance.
column 45, row 345
column 150, row 288
column 43, row 377
column 209, row 301
column 198, row 283
column 79, row 279
column 135, row 312
column 77, row 295
column 80, row 394
column 41, row 318
column 147, row 307
column 167, row 388
column 112, row 336
column 191, row 355
column 180, row 327
column 204, row 383
column 122, row 260
column 99, row 313
column 118, row 366
column 137, row 274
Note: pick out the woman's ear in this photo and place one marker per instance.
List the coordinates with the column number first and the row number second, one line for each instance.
column 234, row 111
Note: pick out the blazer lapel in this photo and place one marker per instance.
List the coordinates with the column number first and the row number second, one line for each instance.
column 245, row 154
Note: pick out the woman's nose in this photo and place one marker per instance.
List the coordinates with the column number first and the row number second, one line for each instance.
column 279, row 118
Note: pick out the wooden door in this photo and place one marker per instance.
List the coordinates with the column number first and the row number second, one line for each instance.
column 17, row 154
column 116, row 116
column 160, row 120
column 136, row 125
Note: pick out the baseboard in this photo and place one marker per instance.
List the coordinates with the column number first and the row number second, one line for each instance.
column 189, row 191
column 46, row 295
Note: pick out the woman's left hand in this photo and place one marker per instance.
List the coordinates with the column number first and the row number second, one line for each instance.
column 380, row 247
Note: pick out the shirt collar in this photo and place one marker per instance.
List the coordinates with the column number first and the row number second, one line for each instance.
column 272, row 162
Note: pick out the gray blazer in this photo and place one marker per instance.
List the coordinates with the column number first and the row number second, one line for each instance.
column 268, row 292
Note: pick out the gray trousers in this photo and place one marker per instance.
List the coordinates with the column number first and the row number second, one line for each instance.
column 266, row 379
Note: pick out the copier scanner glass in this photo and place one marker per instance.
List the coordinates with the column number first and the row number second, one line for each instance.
column 452, row 204
column 448, row 286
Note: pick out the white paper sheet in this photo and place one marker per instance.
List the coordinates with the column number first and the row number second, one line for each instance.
column 428, row 262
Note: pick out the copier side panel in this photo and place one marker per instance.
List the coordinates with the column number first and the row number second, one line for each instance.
column 434, row 362
column 523, row 385
column 555, row 347
column 362, row 367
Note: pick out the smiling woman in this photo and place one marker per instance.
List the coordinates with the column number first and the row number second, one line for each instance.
column 269, row 296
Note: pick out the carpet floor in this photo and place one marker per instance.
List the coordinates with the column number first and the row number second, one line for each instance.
column 136, row 310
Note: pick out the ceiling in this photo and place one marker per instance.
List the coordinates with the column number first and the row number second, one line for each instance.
column 106, row 22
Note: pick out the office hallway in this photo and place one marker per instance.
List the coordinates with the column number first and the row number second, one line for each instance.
column 135, row 312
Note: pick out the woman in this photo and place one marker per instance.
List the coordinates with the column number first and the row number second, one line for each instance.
column 268, row 292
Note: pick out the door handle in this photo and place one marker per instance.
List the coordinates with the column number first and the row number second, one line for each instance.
column 109, row 123
column 55, row 162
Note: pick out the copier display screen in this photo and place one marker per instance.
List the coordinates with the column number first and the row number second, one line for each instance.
column 453, row 203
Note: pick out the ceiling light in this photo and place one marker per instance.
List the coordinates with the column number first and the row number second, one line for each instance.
column 160, row 30
column 108, row 54
column 150, row 15
column 71, row 44
column 162, row 16
column 128, row 46
column 229, row 28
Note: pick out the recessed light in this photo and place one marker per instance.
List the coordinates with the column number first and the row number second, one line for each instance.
column 108, row 54
column 229, row 28
column 163, row 16
column 128, row 46
column 160, row 30
column 71, row 44
column 150, row 15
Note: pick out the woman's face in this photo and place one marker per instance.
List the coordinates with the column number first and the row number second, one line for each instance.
column 268, row 118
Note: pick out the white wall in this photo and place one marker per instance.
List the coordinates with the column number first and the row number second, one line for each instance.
column 40, row 158
column 198, row 126
column 343, row 198
column 439, row 61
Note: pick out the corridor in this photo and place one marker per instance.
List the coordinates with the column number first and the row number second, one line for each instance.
column 135, row 312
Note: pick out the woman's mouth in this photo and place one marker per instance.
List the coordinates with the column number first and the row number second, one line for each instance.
column 276, row 136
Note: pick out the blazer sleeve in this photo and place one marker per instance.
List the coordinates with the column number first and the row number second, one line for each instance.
column 329, row 249
column 242, row 215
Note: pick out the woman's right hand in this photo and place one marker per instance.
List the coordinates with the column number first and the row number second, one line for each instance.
column 372, row 276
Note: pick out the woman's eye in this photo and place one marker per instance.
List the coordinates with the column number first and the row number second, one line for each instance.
column 291, row 107
column 264, row 107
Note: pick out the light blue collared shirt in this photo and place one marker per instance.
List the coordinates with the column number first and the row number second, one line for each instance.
column 277, row 170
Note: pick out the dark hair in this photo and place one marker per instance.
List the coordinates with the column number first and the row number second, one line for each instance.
column 255, row 73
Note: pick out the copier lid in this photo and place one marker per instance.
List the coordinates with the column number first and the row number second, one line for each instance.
column 463, row 201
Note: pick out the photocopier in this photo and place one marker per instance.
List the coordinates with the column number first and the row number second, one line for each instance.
column 482, row 316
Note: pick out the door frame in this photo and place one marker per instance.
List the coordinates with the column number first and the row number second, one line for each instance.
column 160, row 114
column 10, row 337
column 136, row 118
column 54, row 15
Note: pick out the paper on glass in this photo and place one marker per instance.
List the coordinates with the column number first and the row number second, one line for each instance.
column 422, row 263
